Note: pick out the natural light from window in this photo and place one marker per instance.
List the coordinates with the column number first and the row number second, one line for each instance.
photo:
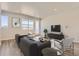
column 24, row 23
column 30, row 23
column 4, row 21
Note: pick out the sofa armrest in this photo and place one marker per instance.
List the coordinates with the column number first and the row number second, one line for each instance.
column 17, row 37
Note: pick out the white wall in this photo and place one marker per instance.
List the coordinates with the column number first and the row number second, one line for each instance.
column 69, row 21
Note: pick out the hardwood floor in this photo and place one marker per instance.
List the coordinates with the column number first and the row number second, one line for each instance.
column 9, row 48
column 68, row 53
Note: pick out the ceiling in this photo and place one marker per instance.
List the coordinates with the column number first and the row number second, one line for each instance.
column 45, row 9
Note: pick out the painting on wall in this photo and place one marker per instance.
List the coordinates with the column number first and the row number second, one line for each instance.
column 16, row 22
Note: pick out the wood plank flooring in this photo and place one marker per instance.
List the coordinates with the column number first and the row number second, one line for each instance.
column 9, row 48
column 69, row 53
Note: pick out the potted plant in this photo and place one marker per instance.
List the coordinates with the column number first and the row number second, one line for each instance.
column 45, row 32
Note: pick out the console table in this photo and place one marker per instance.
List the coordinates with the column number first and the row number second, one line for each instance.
column 55, row 36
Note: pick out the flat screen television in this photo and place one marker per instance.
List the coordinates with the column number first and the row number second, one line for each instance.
column 55, row 28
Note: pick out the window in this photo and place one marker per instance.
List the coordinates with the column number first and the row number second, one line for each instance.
column 31, row 24
column 4, row 21
column 24, row 23
column 19, row 21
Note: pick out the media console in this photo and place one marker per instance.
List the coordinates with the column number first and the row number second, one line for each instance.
column 55, row 36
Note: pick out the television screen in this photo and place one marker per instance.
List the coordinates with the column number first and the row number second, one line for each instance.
column 55, row 28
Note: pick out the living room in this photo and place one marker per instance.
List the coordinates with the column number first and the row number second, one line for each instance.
column 32, row 18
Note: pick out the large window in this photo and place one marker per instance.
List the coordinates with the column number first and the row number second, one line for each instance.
column 24, row 23
column 20, row 21
column 31, row 23
column 4, row 21
column 27, row 24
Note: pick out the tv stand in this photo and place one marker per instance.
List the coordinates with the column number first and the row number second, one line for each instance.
column 55, row 36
